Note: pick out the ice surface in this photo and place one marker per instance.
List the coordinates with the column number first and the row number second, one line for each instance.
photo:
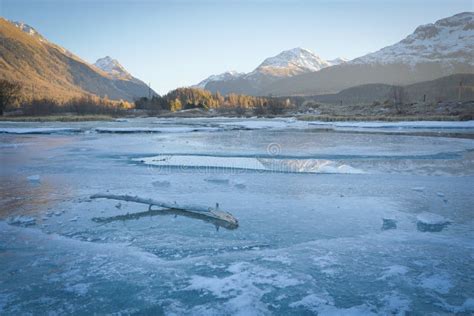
column 308, row 242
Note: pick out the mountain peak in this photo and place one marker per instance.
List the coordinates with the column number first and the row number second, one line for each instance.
column 291, row 62
column 447, row 40
column 112, row 67
column 228, row 75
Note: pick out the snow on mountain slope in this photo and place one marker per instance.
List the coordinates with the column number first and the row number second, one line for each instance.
column 286, row 64
column 337, row 61
column 291, row 62
column 228, row 75
column 447, row 40
column 112, row 67
column 26, row 28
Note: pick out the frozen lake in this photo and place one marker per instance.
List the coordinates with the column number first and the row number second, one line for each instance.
column 334, row 218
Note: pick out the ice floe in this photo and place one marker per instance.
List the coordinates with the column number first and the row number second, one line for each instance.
column 401, row 124
column 429, row 222
column 22, row 220
column 34, row 178
column 38, row 130
column 254, row 124
column 161, row 184
column 171, row 129
column 250, row 163
column 218, row 180
column 389, row 223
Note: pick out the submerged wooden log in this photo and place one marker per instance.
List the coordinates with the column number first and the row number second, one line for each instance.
column 214, row 215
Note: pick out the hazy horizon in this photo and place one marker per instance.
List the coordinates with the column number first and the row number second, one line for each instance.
column 173, row 44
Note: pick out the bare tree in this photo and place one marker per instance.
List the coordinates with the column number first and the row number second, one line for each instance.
column 399, row 98
column 10, row 92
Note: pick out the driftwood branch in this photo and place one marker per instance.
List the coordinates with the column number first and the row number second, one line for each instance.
column 214, row 215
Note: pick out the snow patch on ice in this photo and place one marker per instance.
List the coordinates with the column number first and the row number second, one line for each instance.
column 250, row 163
column 244, row 287
column 441, row 283
column 396, row 305
column 312, row 302
column 393, row 271
column 325, row 306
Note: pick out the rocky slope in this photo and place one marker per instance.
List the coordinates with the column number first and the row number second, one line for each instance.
column 48, row 70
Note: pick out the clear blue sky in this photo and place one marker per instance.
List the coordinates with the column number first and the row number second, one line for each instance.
column 178, row 43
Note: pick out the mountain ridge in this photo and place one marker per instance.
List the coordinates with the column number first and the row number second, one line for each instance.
column 285, row 64
column 49, row 70
column 432, row 51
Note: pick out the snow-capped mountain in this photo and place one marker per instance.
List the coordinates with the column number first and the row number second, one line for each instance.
column 432, row 51
column 290, row 63
column 447, row 40
column 228, row 75
column 286, row 64
column 112, row 67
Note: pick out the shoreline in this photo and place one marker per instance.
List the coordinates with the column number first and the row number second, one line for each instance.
column 300, row 117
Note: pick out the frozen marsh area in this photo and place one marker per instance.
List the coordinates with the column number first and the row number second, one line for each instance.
column 345, row 218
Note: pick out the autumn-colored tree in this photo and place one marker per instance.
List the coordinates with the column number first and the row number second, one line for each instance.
column 175, row 105
column 10, row 92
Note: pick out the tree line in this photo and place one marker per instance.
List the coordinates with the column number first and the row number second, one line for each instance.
column 12, row 99
column 194, row 98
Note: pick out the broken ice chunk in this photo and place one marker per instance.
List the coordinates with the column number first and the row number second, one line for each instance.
column 240, row 186
column 389, row 223
column 418, row 189
column 429, row 222
column 21, row 220
column 34, row 178
column 217, row 180
column 161, row 184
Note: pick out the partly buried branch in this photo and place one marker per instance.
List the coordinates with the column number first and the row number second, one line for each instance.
column 218, row 217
